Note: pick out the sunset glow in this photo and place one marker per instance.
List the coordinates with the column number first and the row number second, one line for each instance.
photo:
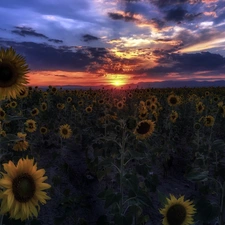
column 118, row 82
column 116, row 43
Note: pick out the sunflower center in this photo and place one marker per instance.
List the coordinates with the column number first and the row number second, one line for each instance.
column 23, row 187
column 173, row 100
column 176, row 214
column 7, row 75
column 2, row 113
column 64, row 131
column 143, row 128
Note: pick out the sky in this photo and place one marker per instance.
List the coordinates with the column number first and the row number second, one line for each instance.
column 116, row 42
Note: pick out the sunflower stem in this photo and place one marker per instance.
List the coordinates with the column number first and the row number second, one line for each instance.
column 1, row 219
column 222, row 206
column 122, row 167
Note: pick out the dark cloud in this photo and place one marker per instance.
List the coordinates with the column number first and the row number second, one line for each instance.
column 60, row 75
column 184, row 64
column 164, row 3
column 157, row 23
column 118, row 16
column 177, row 14
column 198, row 61
column 27, row 31
column 83, row 58
column 55, row 41
column 88, row 37
column 136, row 8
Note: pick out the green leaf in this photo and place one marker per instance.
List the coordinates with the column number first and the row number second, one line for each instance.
column 9, row 118
column 143, row 219
column 136, row 154
column 152, row 182
column 142, row 170
column 112, row 199
column 206, row 212
column 162, row 198
column 218, row 145
column 101, row 173
column 132, row 181
column 122, row 220
column 105, row 162
column 144, row 199
column 105, row 193
column 197, row 175
column 102, row 220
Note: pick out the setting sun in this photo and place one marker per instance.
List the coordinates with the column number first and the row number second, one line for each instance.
column 118, row 82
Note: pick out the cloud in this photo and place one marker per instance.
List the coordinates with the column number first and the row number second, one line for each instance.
column 27, row 31
column 119, row 16
column 177, row 14
column 88, row 37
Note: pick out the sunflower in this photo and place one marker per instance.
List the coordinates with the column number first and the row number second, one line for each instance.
column 144, row 129
column 173, row 100
column 60, row 105
column 13, row 69
column 120, row 105
column 148, row 102
column 88, row 109
column 143, row 115
column 220, row 104
column 200, row 107
column 2, row 114
column 130, row 95
column 152, row 107
column 43, row 130
column 173, row 116
column 31, row 126
column 2, row 133
column 69, row 99
column 208, row 121
column 13, row 104
column 80, row 103
column 22, row 144
column 177, row 211
column 34, row 112
column 23, row 189
column 101, row 101
column 23, row 93
column 207, row 93
column 53, row 90
column 65, row 131
column 223, row 111
column 44, row 106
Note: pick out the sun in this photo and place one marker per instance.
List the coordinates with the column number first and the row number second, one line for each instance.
column 118, row 83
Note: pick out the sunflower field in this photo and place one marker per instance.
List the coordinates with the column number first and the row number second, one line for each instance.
column 109, row 156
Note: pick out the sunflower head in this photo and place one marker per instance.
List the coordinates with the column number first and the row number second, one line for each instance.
column 44, row 106
column 13, row 104
column 23, row 189
column 209, row 121
column 13, row 69
column 173, row 100
column 144, row 129
column 65, row 131
column 177, row 211
column 88, row 109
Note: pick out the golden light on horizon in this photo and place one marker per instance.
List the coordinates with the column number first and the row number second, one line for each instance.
column 118, row 83
column 117, row 79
